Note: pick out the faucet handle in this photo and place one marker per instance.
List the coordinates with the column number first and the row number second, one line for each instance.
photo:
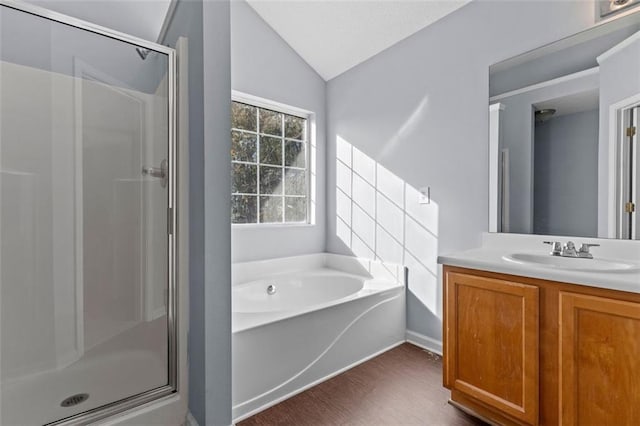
column 556, row 249
column 569, row 249
column 584, row 250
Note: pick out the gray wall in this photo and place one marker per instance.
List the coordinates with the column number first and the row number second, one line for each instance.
column 263, row 65
column 217, row 208
column 419, row 109
column 207, row 28
column 565, row 177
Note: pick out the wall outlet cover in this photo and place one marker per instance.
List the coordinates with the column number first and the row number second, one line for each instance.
column 425, row 195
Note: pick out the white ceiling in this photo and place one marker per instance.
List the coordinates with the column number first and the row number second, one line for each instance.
column 571, row 104
column 140, row 18
column 335, row 35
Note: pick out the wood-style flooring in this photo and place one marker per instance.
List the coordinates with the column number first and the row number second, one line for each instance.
column 400, row 387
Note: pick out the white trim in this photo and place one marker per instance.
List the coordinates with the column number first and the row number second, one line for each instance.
column 618, row 47
column 616, row 184
column 424, row 342
column 275, row 225
column 317, row 382
column 494, row 164
column 548, row 83
column 269, row 104
column 190, row 420
column 505, row 191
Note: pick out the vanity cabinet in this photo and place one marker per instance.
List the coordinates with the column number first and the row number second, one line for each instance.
column 525, row 351
column 493, row 342
column 599, row 360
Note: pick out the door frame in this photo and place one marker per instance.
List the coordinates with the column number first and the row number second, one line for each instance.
column 628, row 191
column 618, row 121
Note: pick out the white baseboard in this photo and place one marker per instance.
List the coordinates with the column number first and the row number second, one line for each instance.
column 425, row 342
column 191, row 421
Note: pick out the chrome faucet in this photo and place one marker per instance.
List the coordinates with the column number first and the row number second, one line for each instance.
column 556, row 247
column 569, row 249
column 584, row 250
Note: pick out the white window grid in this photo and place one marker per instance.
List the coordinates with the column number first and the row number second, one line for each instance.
column 258, row 134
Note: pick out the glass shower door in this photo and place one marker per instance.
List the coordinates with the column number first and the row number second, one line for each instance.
column 86, row 249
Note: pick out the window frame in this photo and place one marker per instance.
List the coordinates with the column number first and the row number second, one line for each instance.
column 262, row 103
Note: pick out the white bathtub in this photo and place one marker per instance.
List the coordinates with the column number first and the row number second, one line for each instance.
column 327, row 314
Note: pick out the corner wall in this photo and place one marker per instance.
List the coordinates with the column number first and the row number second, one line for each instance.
column 206, row 25
column 264, row 65
column 416, row 115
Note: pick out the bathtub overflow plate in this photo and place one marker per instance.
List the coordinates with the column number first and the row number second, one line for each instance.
column 271, row 289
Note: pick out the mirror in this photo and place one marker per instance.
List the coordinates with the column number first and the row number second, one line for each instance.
column 564, row 156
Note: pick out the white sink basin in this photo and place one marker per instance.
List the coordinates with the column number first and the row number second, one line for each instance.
column 570, row 263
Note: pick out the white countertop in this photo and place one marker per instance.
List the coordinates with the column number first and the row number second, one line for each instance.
column 490, row 257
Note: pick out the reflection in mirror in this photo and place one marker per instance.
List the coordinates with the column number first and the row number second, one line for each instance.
column 563, row 142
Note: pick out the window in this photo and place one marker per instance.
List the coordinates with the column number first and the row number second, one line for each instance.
column 269, row 166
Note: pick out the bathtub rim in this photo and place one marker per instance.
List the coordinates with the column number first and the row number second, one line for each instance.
column 242, row 272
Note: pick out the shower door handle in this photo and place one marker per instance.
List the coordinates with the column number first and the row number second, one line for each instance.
column 161, row 172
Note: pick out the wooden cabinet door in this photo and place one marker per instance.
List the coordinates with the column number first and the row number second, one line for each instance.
column 491, row 334
column 599, row 361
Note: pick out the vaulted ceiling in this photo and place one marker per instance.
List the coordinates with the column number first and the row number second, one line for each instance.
column 333, row 36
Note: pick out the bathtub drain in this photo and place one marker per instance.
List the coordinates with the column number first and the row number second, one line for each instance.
column 75, row 400
column 271, row 289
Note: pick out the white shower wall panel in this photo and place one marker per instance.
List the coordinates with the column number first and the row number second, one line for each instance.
column 28, row 315
column 77, row 265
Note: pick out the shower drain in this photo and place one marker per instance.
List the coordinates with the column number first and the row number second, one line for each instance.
column 75, row 400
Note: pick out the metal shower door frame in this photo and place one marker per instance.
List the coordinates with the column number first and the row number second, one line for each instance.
column 172, row 214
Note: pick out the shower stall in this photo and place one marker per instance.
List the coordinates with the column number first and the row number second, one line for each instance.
column 88, row 301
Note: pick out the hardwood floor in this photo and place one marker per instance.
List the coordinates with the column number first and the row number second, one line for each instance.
column 400, row 387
